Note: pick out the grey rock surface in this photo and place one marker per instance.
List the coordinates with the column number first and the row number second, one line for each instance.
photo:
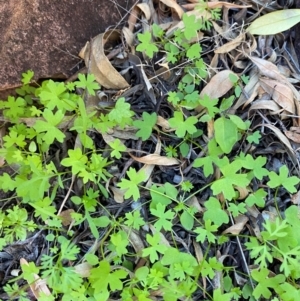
column 47, row 35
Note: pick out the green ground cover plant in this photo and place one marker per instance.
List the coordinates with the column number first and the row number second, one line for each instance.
column 48, row 146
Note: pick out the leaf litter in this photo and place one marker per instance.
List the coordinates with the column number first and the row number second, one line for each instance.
column 269, row 99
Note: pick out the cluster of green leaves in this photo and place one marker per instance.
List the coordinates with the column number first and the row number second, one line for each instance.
column 182, row 46
column 38, row 117
column 279, row 241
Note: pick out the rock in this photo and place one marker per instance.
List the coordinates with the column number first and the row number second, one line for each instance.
column 47, row 35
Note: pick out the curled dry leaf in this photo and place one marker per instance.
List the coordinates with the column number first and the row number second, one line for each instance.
column 254, row 228
column 239, row 279
column 136, row 12
column 239, row 225
column 194, row 202
column 253, row 211
column 174, row 6
column 164, row 124
column 268, row 69
column 128, row 35
column 279, row 92
column 39, row 286
column 118, row 194
column 199, row 256
column 145, row 9
column 255, row 92
column 210, row 129
column 99, row 65
column 243, row 192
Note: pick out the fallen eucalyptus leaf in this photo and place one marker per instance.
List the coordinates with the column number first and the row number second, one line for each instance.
column 275, row 22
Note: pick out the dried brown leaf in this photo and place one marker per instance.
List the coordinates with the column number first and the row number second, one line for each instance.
column 39, row 286
column 118, row 194
column 144, row 7
column 280, row 136
column 155, row 159
column 231, row 45
column 214, row 4
column 253, row 211
column 199, row 257
column 293, row 134
column 83, row 269
column 148, row 168
column 99, row 65
column 295, row 199
column 194, row 202
column 164, row 72
column 279, row 92
column 250, row 91
column 267, row 68
column 176, row 7
column 134, row 59
column 66, row 217
column 220, row 80
column 163, row 123
column 243, row 192
column 239, row 225
column 266, row 105
column 135, row 239
column 128, row 35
